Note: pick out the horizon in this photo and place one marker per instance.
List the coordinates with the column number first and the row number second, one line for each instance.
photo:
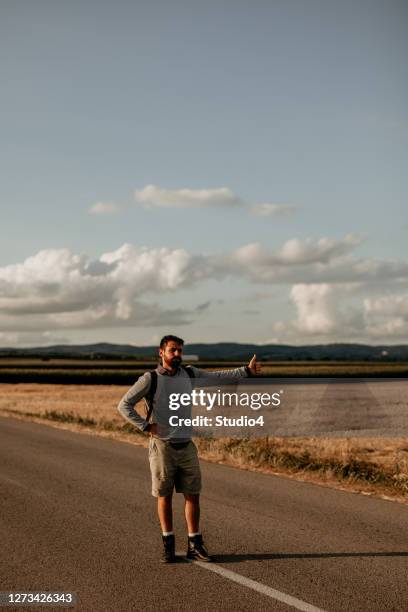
column 187, row 344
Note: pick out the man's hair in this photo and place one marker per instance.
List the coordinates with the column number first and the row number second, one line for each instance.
column 170, row 338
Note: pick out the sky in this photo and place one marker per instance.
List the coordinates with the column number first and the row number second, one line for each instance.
column 224, row 171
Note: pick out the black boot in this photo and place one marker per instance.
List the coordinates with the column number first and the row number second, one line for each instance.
column 169, row 549
column 196, row 549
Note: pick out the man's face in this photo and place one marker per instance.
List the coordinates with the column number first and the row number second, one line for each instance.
column 172, row 354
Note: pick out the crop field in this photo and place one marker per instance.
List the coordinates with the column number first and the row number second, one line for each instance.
column 125, row 371
column 371, row 462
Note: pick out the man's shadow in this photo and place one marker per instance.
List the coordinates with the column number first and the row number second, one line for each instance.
column 273, row 556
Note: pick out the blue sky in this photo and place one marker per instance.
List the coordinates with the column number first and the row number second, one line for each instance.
column 299, row 104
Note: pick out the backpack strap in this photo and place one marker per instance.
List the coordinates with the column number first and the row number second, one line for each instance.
column 150, row 396
column 153, row 386
column 189, row 371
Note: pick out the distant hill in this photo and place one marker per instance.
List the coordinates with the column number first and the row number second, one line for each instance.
column 225, row 350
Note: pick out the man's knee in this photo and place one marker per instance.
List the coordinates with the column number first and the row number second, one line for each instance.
column 193, row 498
column 165, row 500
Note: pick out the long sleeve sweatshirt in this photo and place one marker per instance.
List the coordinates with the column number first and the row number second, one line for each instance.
column 180, row 382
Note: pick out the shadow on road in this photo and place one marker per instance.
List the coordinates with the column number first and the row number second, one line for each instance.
column 263, row 556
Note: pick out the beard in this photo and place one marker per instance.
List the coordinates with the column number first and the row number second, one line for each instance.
column 175, row 362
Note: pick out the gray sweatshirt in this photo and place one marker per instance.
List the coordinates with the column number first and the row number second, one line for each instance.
column 166, row 384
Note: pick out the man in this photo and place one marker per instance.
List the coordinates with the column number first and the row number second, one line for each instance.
column 174, row 461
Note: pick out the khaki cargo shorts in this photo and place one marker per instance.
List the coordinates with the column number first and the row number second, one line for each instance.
column 173, row 467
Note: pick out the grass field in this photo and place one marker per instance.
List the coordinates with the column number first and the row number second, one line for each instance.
column 378, row 466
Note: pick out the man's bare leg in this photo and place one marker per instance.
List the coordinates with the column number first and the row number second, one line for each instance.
column 195, row 547
column 192, row 512
column 165, row 511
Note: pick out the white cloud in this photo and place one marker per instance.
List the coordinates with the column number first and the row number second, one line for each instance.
column 311, row 261
column 152, row 197
column 154, row 270
column 56, row 289
column 396, row 327
column 336, row 312
column 104, row 208
column 273, row 210
column 296, row 251
column 317, row 311
column 324, row 312
column 336, row 295
column 389, row 305
column 387, row 316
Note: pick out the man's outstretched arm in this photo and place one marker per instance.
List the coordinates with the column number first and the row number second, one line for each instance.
column 252, row 369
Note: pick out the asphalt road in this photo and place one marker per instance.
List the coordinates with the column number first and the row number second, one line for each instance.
column 77, row 514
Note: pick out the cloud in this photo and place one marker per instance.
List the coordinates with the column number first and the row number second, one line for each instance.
column 387, row 316
column 320, row 309
column 203, row 306
column 332, row 313
column 154, row 270
column 323, row 312
column 12, row 339
column 156, row 197
column 317, row 308
column 56, row 289
column 390, row 305
column 334, row 293
column 152, row 196
column 104, row 208
column 115, row 315
column 296, row 251
column 310, row 261
column 273, row 210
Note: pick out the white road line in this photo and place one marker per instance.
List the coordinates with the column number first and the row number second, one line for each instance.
column 259, row 587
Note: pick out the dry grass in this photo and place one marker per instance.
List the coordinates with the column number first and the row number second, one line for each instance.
column 378, row 466
column 333, row 368
column 96, row 402
column 361, row 464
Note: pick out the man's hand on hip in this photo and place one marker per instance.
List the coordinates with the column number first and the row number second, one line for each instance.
column 152, row 429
